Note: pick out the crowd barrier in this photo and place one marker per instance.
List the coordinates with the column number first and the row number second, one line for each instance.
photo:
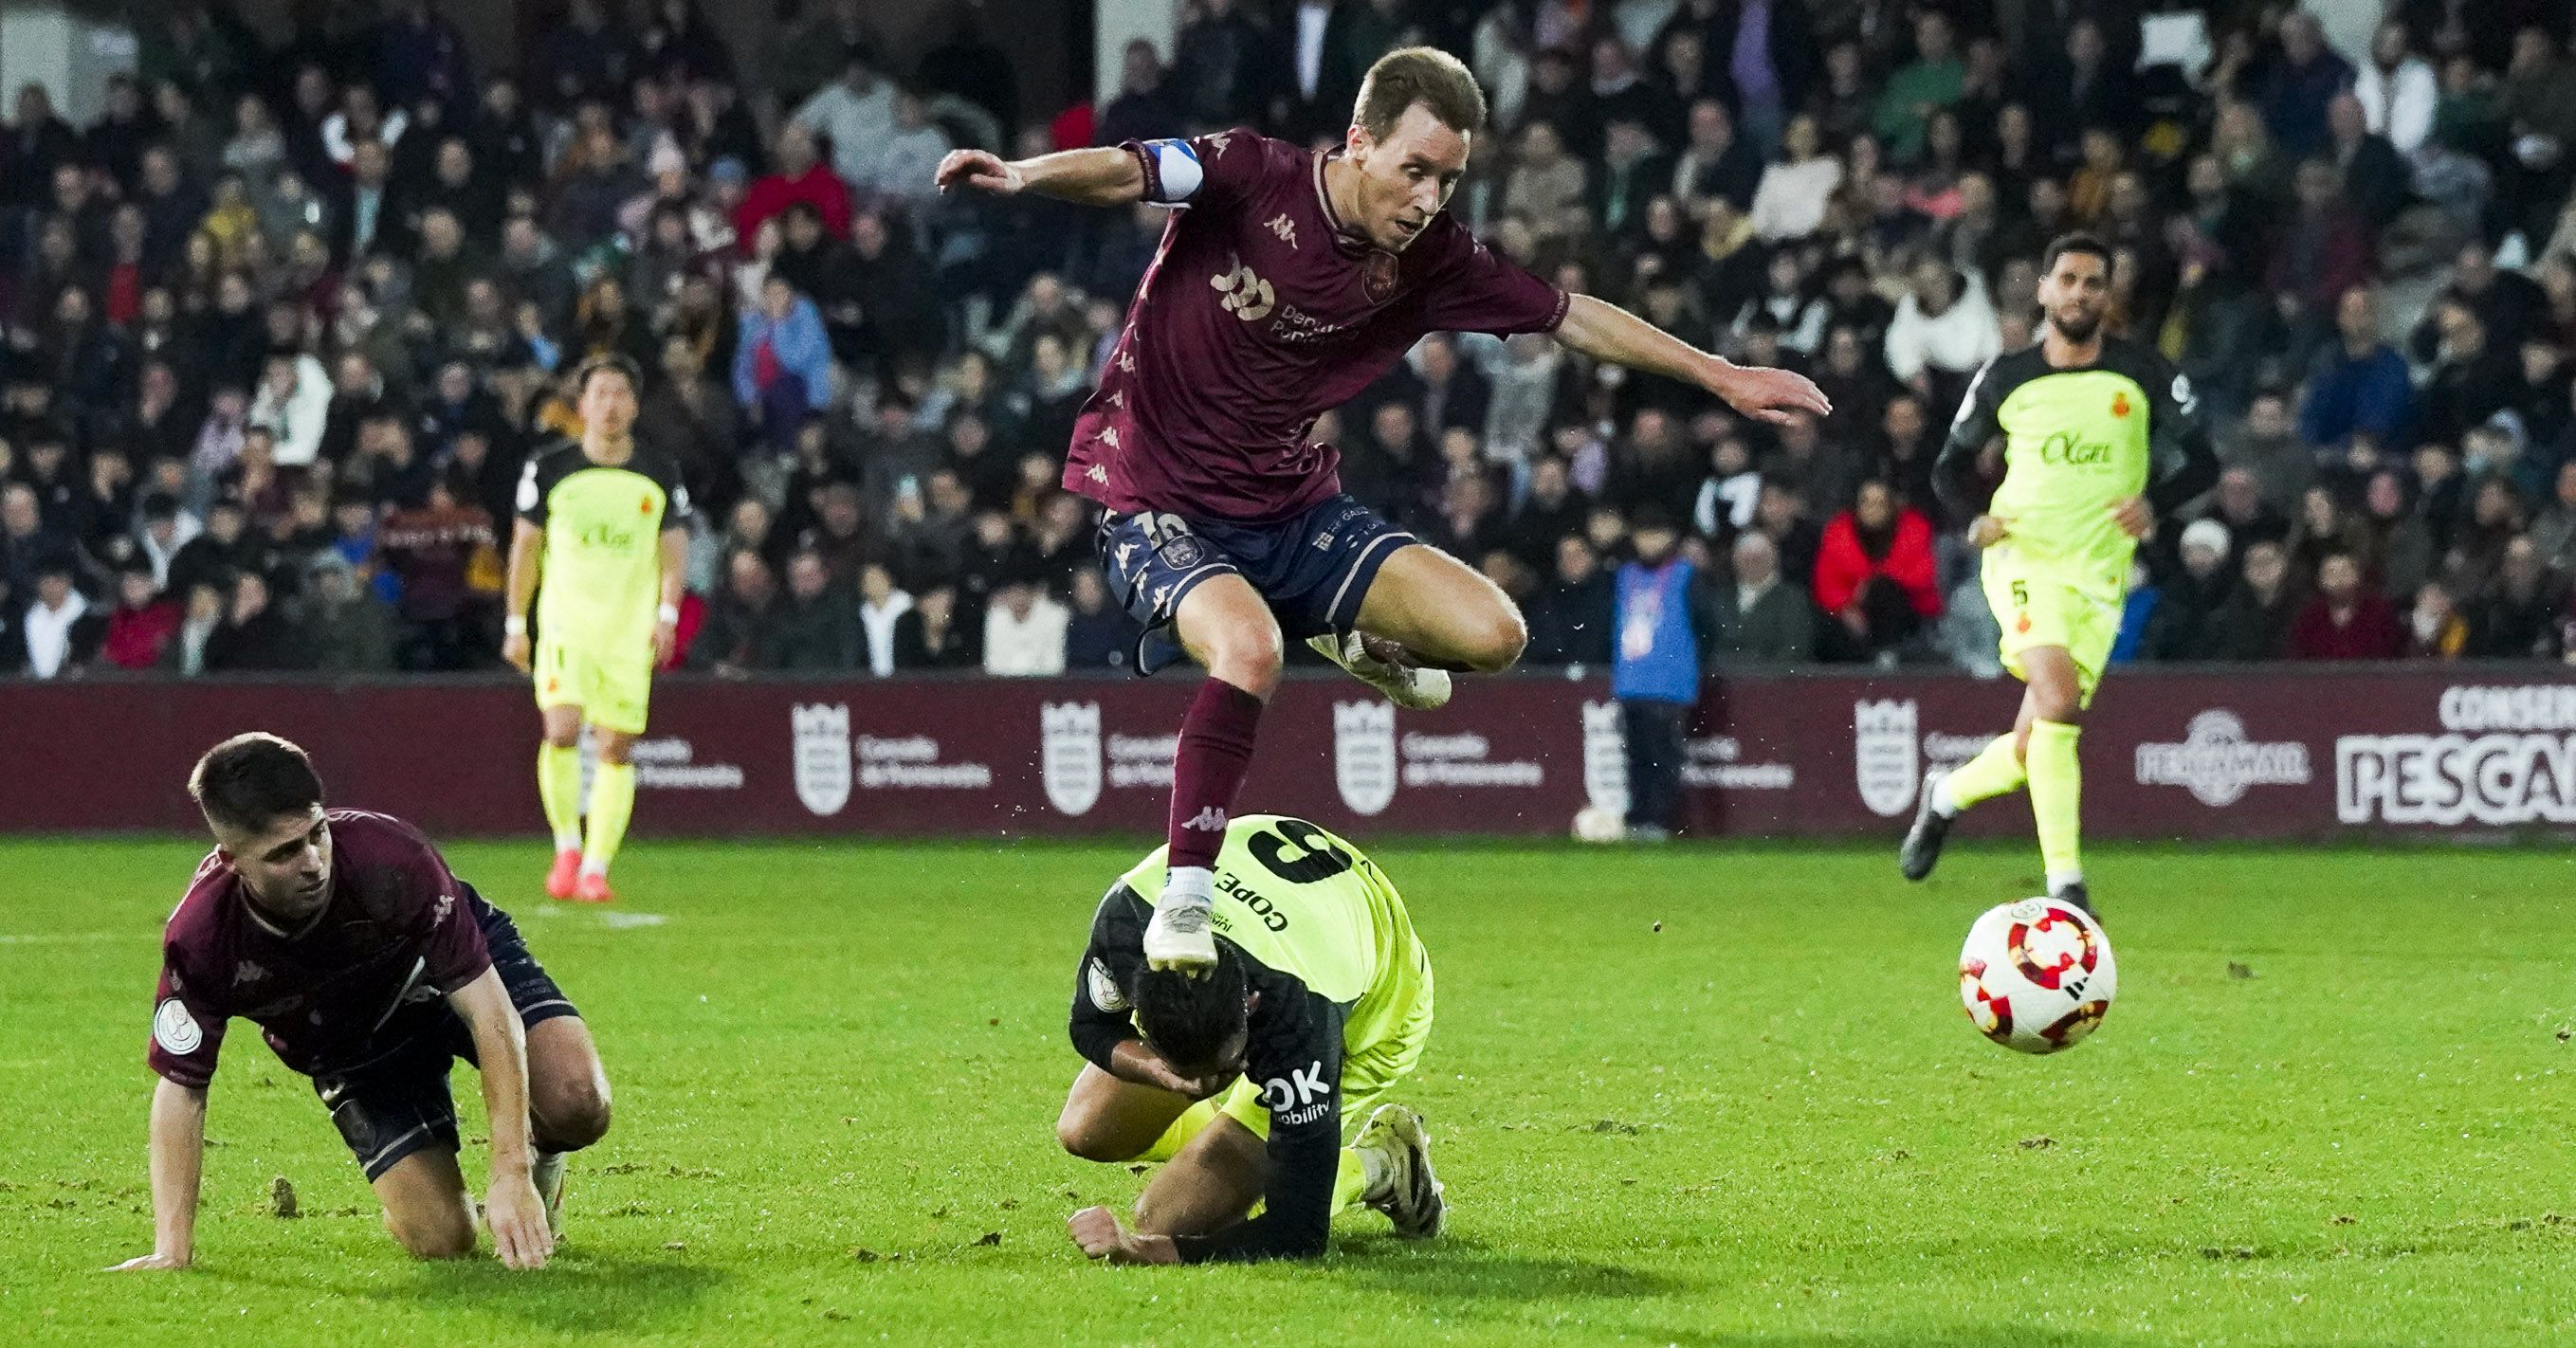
column 2250, row 753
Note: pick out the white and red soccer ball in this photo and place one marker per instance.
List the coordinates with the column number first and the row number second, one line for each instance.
column 2037, row 975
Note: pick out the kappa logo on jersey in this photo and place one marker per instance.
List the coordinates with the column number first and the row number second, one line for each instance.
column 248, row 971
column 1098, row 474
column 1247, row 296
column 822, row 756
column 1109, row 436
column 1209, row 819
column 1299, row 1097
column 1285, row 228
column 175, row 1030
column 1069, row 755
column 1364, row 754
column 1885, row 755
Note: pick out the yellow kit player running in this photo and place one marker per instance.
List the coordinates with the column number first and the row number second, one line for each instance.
column 2101, row 437
column 607, row 525
column 1240, row 1077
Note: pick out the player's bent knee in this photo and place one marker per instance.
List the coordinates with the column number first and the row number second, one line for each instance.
column 573, row 1117
column 444, row 1235
column 1084, row 1143
column 1497, row 642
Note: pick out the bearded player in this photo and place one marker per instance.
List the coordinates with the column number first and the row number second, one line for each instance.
column 604, row 527
column 370, row 968
column 1286, row 282
column 1240, row 1078
column 2102, row 438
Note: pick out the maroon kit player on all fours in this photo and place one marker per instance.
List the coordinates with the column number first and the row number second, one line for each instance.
column 1289, row 281
column 371, row 968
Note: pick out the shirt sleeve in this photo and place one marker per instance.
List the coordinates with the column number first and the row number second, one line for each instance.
column 677, row 509
column 2182, row 463
column 433, row 907
column 531, row 501
column 187, row 1027
column 1300, row 1076
column 1101, row 1018
column 1218, row 169
column 1954, row 473
column 1475, row 289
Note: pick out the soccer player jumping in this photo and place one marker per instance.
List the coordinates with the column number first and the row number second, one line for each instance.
column 1286, row 282
column 606, row 522
column 1240, row 1078
column 2101, row 438
column 371, row 968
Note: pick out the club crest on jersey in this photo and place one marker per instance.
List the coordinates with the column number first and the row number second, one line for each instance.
column 1884, row 755
column 1104, row 989
column 175, row 1030
column 2119, row 404
column 1364, row 754
column 1377, row 277
column 822, row 755
column 1069, row 755
column 1605, row 758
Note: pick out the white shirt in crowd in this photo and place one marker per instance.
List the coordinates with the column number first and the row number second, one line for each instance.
column 296, row 421
column 1959, row 339
column 1030, row 645
column 879, row 620
column 1790, row 202
column 49, row 634
column 857, row 123
column 2399, row 103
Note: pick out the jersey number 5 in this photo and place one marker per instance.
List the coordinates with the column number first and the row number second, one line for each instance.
column 1315, row 858
column 2021, row 594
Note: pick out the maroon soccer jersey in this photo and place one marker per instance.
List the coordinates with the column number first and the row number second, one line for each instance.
column 1257, row 315
column 396, row 930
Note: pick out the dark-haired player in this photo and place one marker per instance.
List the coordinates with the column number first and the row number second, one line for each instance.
column 370, row 968
column 1241, row 1076
column 2101, row 438
column 606, row 523
column 1289, row 282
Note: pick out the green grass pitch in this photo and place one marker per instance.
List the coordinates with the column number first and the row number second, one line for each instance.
column 2332, row 1106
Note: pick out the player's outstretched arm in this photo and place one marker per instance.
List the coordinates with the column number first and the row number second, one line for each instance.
column 178, row 1165
column 513, row 1210
column 1099, row 176
column 1604, row 331
column 527, row 551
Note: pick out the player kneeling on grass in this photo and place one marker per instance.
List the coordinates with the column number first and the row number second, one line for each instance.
column 371, row 968
column 1240, row 1078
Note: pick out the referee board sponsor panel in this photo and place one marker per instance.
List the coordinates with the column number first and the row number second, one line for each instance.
column 2269, row 753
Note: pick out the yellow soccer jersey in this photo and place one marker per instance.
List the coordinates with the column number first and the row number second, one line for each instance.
column 2076, row 442
column 601, row 583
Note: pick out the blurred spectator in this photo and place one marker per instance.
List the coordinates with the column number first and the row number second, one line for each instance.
column 1759, row 619
column 140, row 630
column 2435, row 628
column 1655, row 675
column 61, row 633
column 1790, row 201
column 1024, row 630
column 856, row 112
column 255, row 635
column 1570, row 623
column 2189, row 598
column 2519, row 616
column 351, row 629
column 730, row 641
column 816, row 629
column 2254, row 623
column 445, row 560
column 2359, row 384
column 1944, row 323
column 782, row 365
column 930, row 637
column 881, row 611
column 1098, row 635
column 2347, row 620
column 1876, row 577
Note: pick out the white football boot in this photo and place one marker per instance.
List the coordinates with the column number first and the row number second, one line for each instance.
column 1406, row 1191
column 1383, row 665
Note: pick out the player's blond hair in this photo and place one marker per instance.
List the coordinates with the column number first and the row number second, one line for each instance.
column 1441, row 83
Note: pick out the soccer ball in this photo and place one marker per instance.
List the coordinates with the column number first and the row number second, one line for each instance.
column 1593, row 824
column 2037, row 975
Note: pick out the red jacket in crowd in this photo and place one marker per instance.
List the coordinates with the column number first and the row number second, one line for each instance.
column 775, row 193
column 2368, row 631
column 137, row 636
column 1843, row 567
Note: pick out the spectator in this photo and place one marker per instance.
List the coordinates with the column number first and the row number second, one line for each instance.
column 801, row 177
column 1570, row 624
column 1714, row 165
column 293, row 404
column 1790, row 201
column 140, row 630
column 1943, row 324
column 782, row 365
column 2397, row 90
column 817, row 629
column 217, row 553
column 730, row 641
column 1934, row 80
column 2553, row 532
column 2360, row 384
column 255, row 636
column 62, row 635
column 1759, row 619
column 433, row 554
column 2435, row 628
column 2347, row 620
column 1876, row 577
column 1656, row 673
column 1024, row 630
column 857, row 113
column 2301, row 84
column 930, row 637
column 352, row 630
column 1098, row 635
column 2399, row 541
column 2254, row 623
column 881, row 611
column 2519, row 616
column 2321, row 254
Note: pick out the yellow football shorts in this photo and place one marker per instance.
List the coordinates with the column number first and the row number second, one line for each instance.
column 611, row 692
column 2047, row 605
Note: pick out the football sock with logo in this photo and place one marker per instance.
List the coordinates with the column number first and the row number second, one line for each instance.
column 1207, row 768
column 559, row 787
column 1995, row 771
column 612, row 803
column 2056, row 790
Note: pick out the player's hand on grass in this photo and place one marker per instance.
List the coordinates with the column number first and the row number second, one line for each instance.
column 515, row 649
column 1985, row 531
column 518, row 1221
column 980, row 169
column 1766, row 394
column 154, row 1260
column 2134, row 517
column 1098, row 1232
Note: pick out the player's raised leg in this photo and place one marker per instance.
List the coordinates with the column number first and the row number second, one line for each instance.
column 428, row 1207
column 1427, row 613
column 559, row 789
column 1227, row 627
column 1996, row 770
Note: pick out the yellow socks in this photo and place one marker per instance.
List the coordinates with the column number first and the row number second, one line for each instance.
column 612, row 803
column 2056, row 792
column 559, row 786
column 1995, row 771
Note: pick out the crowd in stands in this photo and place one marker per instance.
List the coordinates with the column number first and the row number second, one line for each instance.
column 283, row 322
